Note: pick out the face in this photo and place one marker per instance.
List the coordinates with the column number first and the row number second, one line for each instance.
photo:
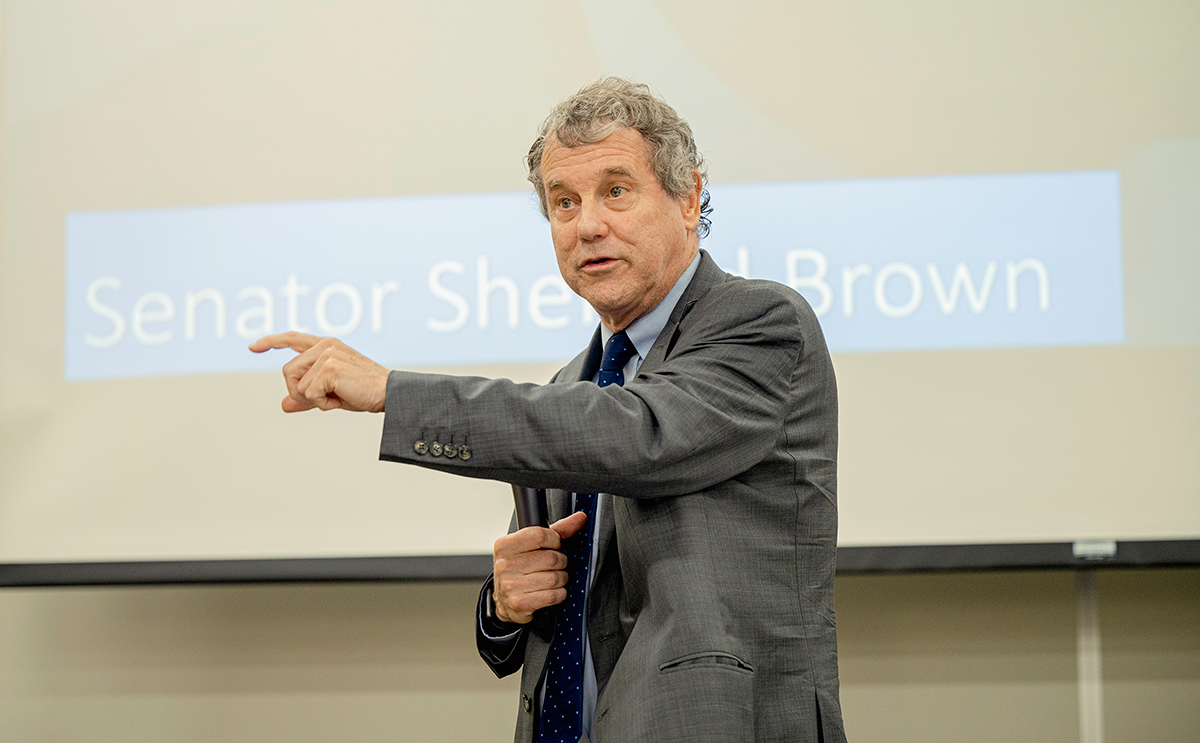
column 620, row 239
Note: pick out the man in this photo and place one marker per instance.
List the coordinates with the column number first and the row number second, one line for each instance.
column 702, row 440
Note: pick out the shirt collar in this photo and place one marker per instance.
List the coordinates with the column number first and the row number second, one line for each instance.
column 643, row 331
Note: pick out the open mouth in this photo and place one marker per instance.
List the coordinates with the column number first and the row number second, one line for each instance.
column 597, row 262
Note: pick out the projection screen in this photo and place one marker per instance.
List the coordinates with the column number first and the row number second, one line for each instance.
column 994, row 209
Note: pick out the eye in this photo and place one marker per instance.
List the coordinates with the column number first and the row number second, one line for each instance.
column 616, row 191
column 565, row 203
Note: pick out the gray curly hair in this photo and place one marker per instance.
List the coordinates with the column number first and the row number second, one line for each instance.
column 599, row 109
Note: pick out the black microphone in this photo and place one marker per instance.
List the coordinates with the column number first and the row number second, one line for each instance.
column 531, row 506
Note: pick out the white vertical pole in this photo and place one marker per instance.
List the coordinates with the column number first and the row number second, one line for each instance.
column 1087, row 654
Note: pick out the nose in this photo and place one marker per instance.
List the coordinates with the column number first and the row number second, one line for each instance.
column 591, row 224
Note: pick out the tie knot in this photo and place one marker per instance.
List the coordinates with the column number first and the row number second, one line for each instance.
column 617, row 353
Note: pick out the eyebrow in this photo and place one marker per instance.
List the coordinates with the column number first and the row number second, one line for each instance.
column 618, row 170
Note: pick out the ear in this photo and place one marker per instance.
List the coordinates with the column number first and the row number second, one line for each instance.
column 689, row 205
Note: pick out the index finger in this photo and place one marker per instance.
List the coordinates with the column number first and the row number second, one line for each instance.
column 300, row 342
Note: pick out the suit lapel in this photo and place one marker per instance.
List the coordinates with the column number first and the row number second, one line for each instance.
column 708, row 275
column 585, row 365
column 581, row 368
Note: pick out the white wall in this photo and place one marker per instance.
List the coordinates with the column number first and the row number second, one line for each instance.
column 924, row 658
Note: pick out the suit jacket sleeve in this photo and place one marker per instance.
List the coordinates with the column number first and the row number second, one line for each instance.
column 707, row 409
column 503, row 657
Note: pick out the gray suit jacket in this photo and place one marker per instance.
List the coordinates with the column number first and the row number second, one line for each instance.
column 711, row 615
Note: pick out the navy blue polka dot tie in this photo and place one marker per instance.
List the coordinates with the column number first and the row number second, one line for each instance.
column 562, row 709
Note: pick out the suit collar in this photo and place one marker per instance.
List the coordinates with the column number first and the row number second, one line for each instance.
column 584, row 366
column 708, row 275
column 643, row 331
